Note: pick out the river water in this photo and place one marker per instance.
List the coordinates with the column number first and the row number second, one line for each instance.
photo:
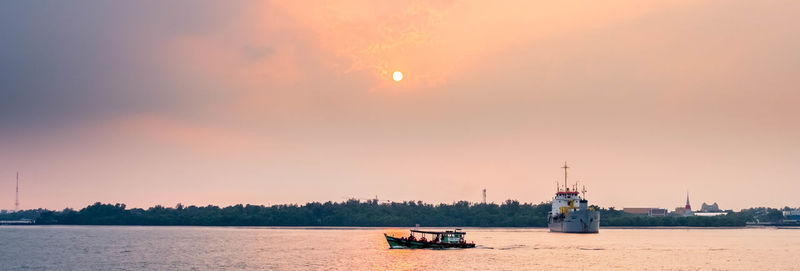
column 236, row 248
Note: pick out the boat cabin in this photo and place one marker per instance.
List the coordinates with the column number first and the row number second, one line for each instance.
column 447, row 237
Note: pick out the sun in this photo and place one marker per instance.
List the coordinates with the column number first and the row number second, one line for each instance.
column 397, row 76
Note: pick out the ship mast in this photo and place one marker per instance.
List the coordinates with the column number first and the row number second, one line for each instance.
column 584, row 192
column 565, row 167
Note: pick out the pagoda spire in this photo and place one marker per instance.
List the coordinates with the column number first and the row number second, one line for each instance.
column 688, row 206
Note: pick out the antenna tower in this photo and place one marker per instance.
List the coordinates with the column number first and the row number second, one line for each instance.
column 16, row 197
column 484, row 196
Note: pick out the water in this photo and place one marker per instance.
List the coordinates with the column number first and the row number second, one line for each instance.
column 233, row 248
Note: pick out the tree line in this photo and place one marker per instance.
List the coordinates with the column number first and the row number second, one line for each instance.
column 510, row 213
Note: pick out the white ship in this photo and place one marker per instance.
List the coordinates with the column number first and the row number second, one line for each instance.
column 571, row 213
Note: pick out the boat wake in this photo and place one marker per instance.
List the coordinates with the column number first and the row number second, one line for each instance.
column 502, row 248
column 511, row 247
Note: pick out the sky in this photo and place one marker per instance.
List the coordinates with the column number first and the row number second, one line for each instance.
column 260, row 102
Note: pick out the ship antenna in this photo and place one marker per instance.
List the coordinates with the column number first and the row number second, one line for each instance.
column 584, row 192
column 565, row 167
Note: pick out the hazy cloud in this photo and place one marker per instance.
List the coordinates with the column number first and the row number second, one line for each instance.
column 229, row 102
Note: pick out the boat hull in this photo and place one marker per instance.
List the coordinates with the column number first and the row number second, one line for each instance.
column 581, row 221
column 395, row 242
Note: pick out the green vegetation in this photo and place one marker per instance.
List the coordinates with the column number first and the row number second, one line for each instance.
column 611, row 217
column 370, row 213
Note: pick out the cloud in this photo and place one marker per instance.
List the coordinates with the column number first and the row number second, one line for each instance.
column 68, row 62
column 297, row 96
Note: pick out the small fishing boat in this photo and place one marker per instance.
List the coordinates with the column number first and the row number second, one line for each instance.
column 438, row 240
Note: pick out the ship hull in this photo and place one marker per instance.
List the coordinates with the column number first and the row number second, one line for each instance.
column 580, row 221
column 395, row 242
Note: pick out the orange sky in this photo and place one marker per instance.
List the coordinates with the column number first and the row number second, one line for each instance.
column 290, row 102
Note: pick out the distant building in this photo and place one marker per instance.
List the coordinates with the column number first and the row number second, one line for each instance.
column 709, row 213
column 688, row 208
column 646, row 211
column 710, row 208
column 791, row 216
column 658, row 212
column 4, row 211
column 637, row 211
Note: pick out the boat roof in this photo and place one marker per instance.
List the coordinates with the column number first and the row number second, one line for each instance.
column 439, row 232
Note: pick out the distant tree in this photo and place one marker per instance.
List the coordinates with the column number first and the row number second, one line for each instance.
column 510, row 213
